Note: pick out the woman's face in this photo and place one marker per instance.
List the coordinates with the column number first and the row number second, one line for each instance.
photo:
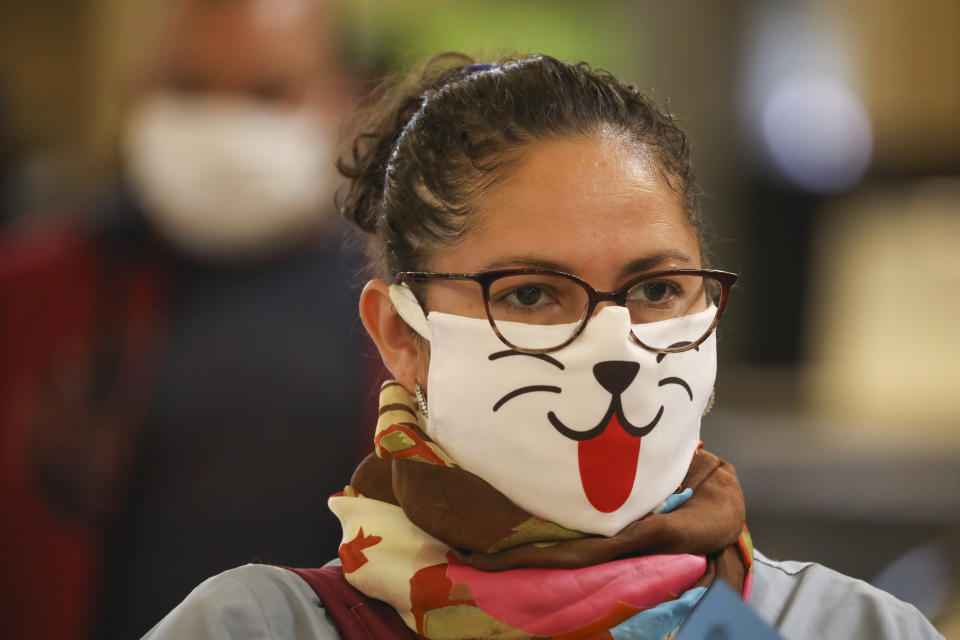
column 591, row 206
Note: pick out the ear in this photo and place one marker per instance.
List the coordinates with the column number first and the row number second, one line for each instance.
column 397, row 343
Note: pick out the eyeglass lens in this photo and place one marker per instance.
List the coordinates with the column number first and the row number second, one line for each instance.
column 548, row 300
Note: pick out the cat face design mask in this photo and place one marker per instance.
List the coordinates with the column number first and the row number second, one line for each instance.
column 593, row 436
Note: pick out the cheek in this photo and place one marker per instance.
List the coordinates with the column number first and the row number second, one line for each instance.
column 423, row 361
column 453, row 296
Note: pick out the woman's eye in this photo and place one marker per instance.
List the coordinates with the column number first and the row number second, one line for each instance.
column 659, row 292
column 527, row 296
column 655, row 291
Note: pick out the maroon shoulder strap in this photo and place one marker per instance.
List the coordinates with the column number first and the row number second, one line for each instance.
column 355, row 615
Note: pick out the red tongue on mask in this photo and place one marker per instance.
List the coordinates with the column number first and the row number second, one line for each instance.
column 608, row 466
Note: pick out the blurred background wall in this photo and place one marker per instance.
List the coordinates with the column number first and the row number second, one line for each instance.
column 827, row 141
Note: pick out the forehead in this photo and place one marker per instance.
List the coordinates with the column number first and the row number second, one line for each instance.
column 232, row 40
column 592, row 205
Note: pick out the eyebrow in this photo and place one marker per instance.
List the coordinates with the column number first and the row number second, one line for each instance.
column 652, row 261
column 634, row 267
column 527, row 262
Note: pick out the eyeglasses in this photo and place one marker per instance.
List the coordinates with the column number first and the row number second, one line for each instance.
column 538, row 311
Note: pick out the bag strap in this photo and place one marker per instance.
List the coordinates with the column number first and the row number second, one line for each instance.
column 354, row 614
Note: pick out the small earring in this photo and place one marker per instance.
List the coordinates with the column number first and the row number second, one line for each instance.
column 421, row 400
column 710, row 402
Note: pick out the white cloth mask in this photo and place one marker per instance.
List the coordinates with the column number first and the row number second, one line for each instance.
column 228, row 177
column 593, row 436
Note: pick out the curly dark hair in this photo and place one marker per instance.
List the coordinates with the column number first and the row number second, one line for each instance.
column 429, row 144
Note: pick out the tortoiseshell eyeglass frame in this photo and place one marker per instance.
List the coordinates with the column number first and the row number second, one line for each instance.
column 594, row 297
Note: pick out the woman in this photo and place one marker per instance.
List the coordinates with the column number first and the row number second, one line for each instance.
column 545, row 312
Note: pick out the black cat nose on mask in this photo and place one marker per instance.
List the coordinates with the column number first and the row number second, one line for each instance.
column 615, row 376
column 634, row 432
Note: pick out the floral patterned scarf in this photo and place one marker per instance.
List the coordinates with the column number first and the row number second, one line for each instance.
column 458, row 560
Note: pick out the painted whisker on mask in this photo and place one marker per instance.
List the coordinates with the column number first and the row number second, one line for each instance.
column 538, row 356
column 682, row 343
column 678, row 381
column 522, row 390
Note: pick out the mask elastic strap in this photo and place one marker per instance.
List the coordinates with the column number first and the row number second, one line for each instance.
column 406, row 304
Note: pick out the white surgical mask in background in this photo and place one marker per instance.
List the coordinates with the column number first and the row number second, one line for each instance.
column 593, row 436
column 227, row 177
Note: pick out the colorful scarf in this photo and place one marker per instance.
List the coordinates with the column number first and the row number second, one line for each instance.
column 458, row 560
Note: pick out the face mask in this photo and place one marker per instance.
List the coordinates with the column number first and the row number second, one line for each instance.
column 226, row 177
column 593, row 436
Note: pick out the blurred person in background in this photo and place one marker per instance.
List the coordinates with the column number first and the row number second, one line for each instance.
column 180, row 375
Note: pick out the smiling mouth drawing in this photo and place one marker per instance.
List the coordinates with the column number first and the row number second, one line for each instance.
column 608, row 453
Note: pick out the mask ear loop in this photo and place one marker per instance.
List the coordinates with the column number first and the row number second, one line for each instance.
column 406, row 304
column 710, row 402
column 408, row 307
